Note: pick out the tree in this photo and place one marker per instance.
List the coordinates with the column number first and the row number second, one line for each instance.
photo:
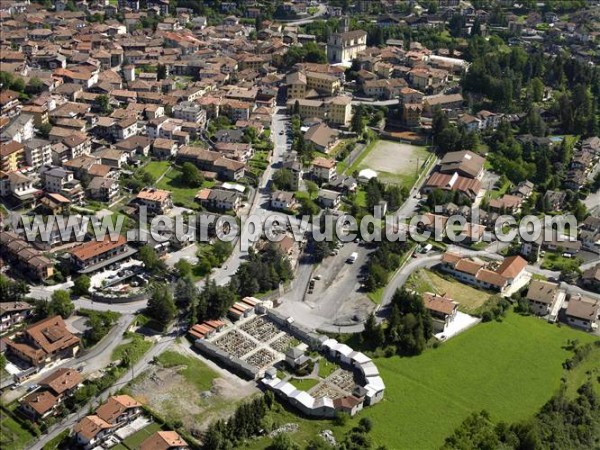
column 283, row 441
column 161, row 306
column 456, row 24
column 320, row 250
column 44, row 130
column 61, row 304
column 250, row 135
column 358, row 121
column 366, row 424
column 151, row 260
column 103, row 102
column 161, row 72
column 184, row 268
column 311, row 188
column 373, row 333
column 537, row 89
column 18, row 84
column 314, row 53
column 186, row 292
column 283, row 179
column 12, row 290
column 81, row 285
column 191, row 175
column 34, row 86
column 221, row 250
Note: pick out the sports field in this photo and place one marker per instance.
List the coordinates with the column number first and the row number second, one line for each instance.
column 509, row 369
column 394, row 162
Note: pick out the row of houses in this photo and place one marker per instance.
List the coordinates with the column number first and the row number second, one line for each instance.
column 511, row 272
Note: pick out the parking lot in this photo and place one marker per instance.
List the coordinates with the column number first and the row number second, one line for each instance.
column 337, row 295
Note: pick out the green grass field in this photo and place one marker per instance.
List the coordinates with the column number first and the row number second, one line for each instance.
column 12, row 435
column 135, row 349
column 508, row 368
column 326, row 368
column 192, row 369
column 304, row 384
column 182, row 195
column 133, row 442
column 157, row 168
column 556, row 261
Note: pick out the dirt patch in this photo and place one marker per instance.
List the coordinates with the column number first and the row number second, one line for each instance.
column 354, row 311
column 395, row 161
column 168, row 392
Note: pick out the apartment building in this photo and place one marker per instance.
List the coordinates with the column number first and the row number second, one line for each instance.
column 323, row 169
column 95, row 255
column 20, row 254
column 38, row 153
column 43, row 342
column 157, row 201
column 336, row 110
column 543, row 296
column 189, row 112
column 116, row 412
column 13, row 314
column 483, row 275
column 12, row 156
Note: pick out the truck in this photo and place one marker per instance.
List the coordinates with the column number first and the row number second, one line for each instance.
column 352, row 258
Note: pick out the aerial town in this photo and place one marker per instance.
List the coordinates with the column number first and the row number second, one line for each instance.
column 168, row 171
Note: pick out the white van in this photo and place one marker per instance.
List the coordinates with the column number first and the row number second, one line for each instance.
column 352, row 258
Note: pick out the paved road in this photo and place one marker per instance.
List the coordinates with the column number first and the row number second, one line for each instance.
column 359, row 101
column 592, row 201
column 260, row 204
column 320, row 13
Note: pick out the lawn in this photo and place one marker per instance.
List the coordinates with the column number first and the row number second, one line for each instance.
column 510, row 369
column 326, row 368
column 135, row 348
column 304, row 384
column 556, row 261
column 192, row 369
column 470, row 299
column 182, row 195
column 133, row 442
column 12, row 435
column 377, row 295
column 259, row 162
column 156, row 168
